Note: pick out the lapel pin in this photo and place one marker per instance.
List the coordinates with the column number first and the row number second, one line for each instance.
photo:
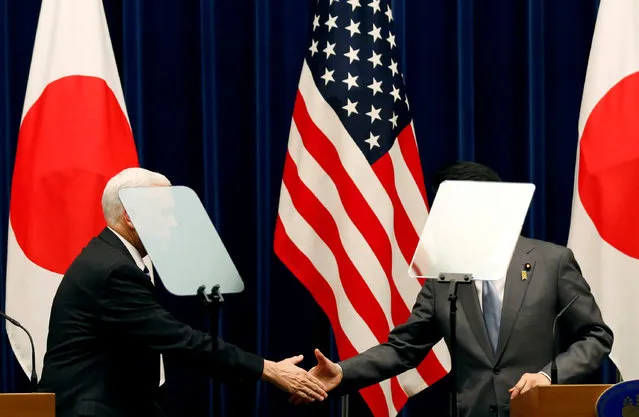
column 524, row 272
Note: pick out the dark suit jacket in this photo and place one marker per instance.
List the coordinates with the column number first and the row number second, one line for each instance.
column 525, row 338
column 106, row 333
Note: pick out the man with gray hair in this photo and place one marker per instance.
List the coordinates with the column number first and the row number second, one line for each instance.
column 107, row 330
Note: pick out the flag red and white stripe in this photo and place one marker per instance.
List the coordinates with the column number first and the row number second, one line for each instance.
column 604, row 223
column 347, row 229
column 74, row 135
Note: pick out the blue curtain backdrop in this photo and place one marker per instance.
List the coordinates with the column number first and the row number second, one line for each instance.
column 209, row 87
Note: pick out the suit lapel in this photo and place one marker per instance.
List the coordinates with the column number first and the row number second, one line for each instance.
column 468, row 297
column 515, row 291
column 111, row 239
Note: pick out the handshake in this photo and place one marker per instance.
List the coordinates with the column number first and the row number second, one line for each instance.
column 304, row 387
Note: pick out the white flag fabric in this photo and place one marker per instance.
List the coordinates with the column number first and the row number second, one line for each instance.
column 604, row 229
column 74, row 135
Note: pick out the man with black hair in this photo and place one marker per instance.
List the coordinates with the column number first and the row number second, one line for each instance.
column 504, row 327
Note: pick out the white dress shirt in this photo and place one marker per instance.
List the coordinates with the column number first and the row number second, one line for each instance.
column 141, row 264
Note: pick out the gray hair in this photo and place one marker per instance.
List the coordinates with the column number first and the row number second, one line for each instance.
column 130, row 177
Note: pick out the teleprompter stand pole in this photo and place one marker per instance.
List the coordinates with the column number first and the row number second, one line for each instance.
column 453, row 279
column 213, row 302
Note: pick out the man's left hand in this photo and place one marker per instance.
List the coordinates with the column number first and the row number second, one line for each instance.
column 527, row 382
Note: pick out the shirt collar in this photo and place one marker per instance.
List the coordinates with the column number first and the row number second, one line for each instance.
column 132, row 250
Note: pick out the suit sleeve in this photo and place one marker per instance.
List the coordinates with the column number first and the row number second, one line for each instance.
column 583, row 320
column 406, row 347
column 128, row 305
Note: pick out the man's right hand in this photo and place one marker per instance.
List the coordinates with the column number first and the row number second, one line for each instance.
column 326, row 371
column 287, row 376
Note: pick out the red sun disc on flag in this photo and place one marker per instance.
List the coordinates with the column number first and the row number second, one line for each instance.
column 609, row 166
column 72, row 140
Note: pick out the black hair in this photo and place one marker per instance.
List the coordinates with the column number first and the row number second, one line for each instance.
column 463, row 171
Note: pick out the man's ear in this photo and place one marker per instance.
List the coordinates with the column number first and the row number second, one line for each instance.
column 127, row 220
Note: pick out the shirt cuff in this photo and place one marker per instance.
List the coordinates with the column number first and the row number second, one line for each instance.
column 546, row 375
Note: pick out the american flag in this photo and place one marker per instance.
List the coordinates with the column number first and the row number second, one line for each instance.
column 353, row 201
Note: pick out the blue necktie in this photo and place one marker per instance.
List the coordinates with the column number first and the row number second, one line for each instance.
column 491, row 307
column 148, row 274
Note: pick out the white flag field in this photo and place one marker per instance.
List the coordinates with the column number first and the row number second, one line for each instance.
column 74, row 135
column 604, row 229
